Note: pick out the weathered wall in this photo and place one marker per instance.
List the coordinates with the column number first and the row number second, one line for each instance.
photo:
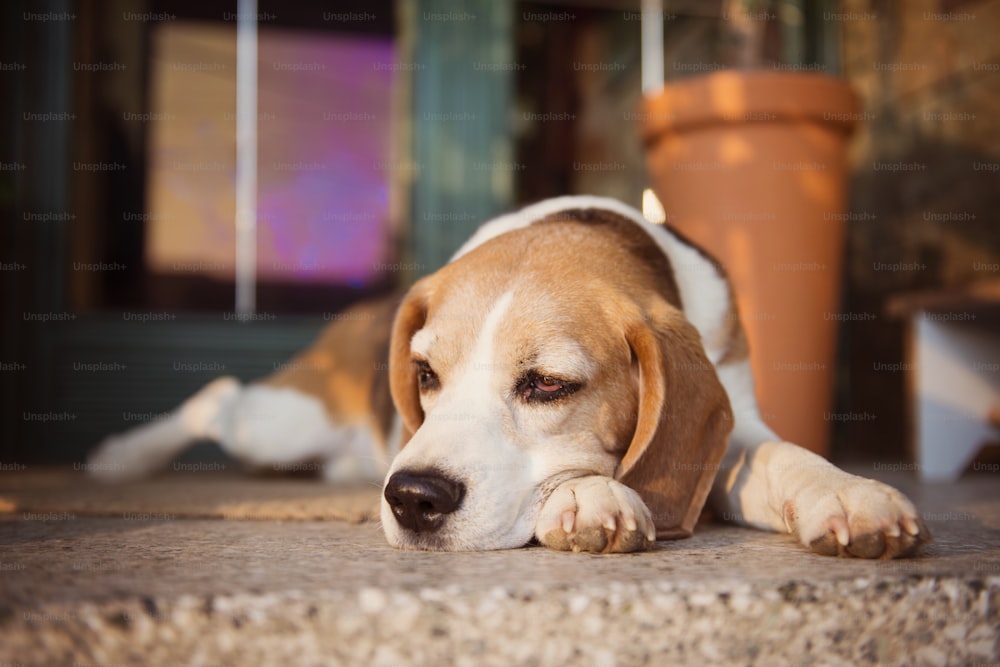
column 925, row 195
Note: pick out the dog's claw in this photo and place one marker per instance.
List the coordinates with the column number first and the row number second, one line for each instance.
column 595, row 514
column 855, row 517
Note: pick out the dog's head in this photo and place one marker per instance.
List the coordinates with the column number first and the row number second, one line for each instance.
column 549, row 352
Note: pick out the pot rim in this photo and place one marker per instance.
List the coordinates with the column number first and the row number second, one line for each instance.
column 731, row 97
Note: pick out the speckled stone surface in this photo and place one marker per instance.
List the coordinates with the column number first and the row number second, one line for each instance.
column 199, row 592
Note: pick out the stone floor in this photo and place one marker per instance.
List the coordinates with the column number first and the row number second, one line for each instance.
column 148, row 590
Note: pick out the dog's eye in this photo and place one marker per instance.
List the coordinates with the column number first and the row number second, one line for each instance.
column 547, row 384
column 536, row 388
column 427, row 379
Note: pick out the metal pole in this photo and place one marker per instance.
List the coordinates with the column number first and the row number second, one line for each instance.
column 652, row 46
column 652, row 83
column 246, row 156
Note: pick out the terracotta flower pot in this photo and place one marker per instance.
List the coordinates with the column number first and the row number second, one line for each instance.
column 752, row 166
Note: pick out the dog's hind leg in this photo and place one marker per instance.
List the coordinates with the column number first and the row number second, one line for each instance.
column 145, row 449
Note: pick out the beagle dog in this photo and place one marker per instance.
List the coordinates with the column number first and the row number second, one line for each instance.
column 574, row 375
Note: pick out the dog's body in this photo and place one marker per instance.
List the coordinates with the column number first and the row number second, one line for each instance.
column 574, row 374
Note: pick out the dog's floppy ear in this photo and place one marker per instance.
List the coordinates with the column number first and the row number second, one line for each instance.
column 410, row 318
column 683, row 423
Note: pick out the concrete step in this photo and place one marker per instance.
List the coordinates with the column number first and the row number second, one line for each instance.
column 148, row 590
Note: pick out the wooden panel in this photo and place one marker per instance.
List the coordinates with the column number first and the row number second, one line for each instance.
column 462, row 81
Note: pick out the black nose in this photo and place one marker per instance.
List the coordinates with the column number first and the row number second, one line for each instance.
column 420, row 501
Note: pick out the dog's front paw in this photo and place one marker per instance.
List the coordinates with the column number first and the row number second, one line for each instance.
column 595, row 514
column 848, row 515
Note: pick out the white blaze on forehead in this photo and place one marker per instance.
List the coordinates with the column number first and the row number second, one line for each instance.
column 483, row 353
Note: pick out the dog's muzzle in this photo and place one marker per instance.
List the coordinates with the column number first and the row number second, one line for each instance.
column 422, row 501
